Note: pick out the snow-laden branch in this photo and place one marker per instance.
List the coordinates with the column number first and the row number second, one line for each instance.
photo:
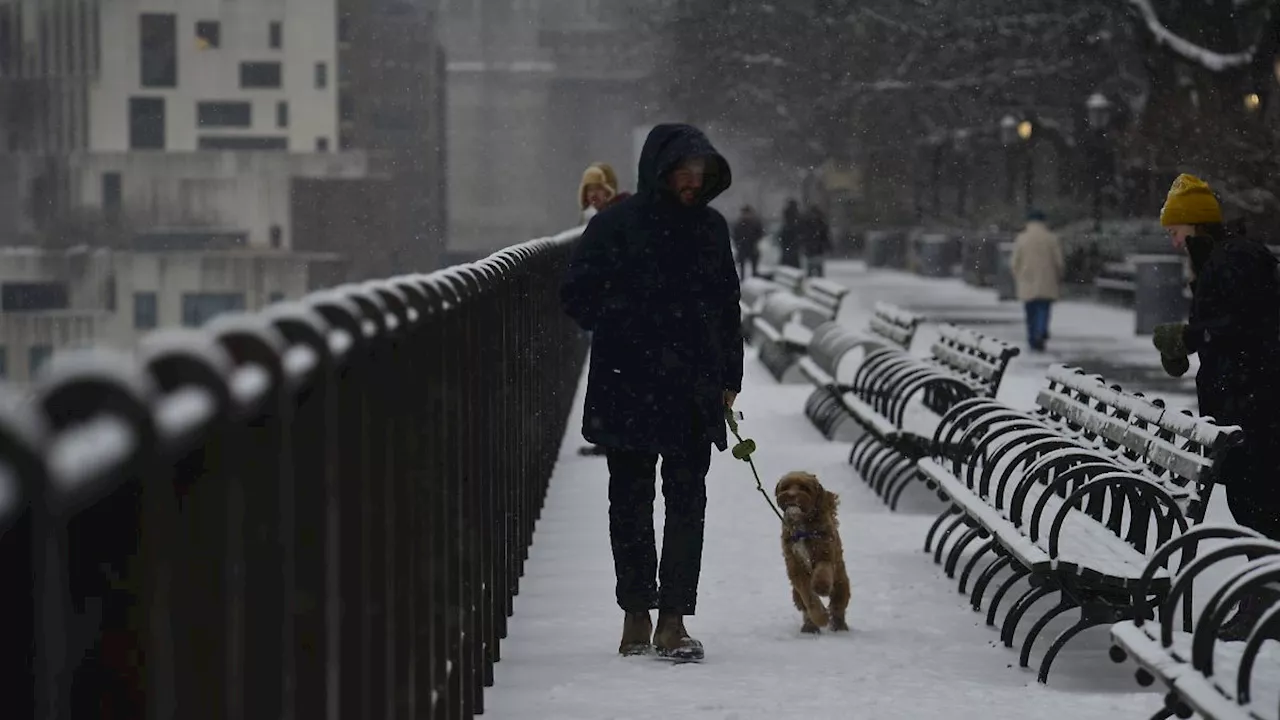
column 1210, row 60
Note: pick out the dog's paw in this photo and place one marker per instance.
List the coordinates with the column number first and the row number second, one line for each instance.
column 809, row 628
column 839, row 625
column 818, row 616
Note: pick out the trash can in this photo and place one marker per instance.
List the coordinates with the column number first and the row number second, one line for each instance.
column 1005, row 288
column 934, row 257
column 1158, row 295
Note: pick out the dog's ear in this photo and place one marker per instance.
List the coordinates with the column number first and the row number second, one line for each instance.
column 827, row 502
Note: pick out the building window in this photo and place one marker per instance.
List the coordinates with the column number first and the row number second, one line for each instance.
column 199, row 308
column 146, row 123
column 158, row 54
column 145, row 315
column 322, row 76
column 276, row 33
column 241, row 142
column 4, row 362
column 112, row 196
column 282, row 114
column 277, row 235
column 208, row 35
column 224, row 114
column 37, row 356
column 322, row 144
column 260, row 75
column 344, row 29
column 33, row 296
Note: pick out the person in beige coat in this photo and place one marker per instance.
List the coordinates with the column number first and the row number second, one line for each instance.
column 1037, row 272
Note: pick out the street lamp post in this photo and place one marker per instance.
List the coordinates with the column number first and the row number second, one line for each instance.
column 1008, row 136
column 1026, row 131
column 1098, row 113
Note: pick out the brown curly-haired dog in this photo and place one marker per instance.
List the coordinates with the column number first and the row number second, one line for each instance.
column 813, row 552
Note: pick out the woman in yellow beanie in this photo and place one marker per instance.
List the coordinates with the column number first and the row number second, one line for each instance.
column 1234, row 328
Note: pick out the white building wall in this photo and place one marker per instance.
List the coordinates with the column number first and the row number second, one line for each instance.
column 309, row 37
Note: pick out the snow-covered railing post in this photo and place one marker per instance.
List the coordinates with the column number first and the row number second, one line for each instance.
column 319, row 510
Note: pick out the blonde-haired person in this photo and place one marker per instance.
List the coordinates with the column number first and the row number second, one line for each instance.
column 598, row 190
column 1234, row 328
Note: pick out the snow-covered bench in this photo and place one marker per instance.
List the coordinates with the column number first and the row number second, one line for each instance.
column 783, row 330
column 753, row 292
column 976, row 361
column 829, row 346
column 1206, row 676
column 826, row 294
column 1073, row 497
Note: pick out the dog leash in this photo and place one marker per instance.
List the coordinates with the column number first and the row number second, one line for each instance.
column 742, row 451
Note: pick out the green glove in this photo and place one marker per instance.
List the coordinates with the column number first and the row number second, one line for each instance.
column 1175, row 366
column 1168, row 340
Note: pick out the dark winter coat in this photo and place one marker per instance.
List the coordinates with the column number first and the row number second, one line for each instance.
column 655, row 283
column 746, row 236
column 1235, row 329
column 815, row 235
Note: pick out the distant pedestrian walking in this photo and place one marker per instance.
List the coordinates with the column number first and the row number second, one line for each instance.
column 747, row 233
column 790, row 236
column 1234, row 328
column 815, row 238
column 1038, row 267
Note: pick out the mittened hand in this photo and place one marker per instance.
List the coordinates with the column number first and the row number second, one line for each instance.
column 1168, row 340
column 1175, row 366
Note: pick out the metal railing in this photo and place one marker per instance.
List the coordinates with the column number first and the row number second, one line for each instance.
column 317, row 511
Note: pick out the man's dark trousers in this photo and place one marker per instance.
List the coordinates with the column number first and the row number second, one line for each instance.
column 631, row 496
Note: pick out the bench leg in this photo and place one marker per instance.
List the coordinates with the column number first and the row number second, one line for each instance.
column 988, row 574
column 953, row 557
column 1063, row 638
column 908, row 478
column 861, row 447
column 1019, row 609
column 1064, row 604
column 1018, row 574
column 881, row 469
column 942, row 542
column 933, row 530
column 970, row 566
column 1163, row 714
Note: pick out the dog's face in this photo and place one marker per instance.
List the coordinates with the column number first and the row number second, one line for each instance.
column 799, row 495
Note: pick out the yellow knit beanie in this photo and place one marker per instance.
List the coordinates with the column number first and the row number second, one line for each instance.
column 1190, row 202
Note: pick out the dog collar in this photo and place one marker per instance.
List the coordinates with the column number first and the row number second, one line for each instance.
column 804, row 535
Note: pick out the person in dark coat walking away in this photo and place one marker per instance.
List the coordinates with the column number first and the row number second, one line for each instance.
column 816, row 240
column 653, row 279
column 1234, row 328
column 747, row 233
column 790, row 236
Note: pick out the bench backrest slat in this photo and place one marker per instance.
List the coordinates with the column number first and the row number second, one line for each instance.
column 780, row 307
column 1177, row 450
column 894, row 324
column 978, row 359
column 789, row 278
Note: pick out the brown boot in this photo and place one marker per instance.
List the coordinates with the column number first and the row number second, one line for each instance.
column 637, row 633
column 672, row 641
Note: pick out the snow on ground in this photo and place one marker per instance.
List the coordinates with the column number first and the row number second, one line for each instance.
column 916, row 649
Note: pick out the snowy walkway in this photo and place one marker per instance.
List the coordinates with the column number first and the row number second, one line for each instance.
column 916, row 651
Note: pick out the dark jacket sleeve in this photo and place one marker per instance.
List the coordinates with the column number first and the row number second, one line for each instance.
column 730, row 313
column 588, row 291
column 1223, row 309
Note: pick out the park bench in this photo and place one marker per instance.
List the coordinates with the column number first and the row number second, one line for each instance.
column 1069, row 497
column 785, row 325
column 755, row 291
column 976, row 361
column 1205, row 676
column 831, row 343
